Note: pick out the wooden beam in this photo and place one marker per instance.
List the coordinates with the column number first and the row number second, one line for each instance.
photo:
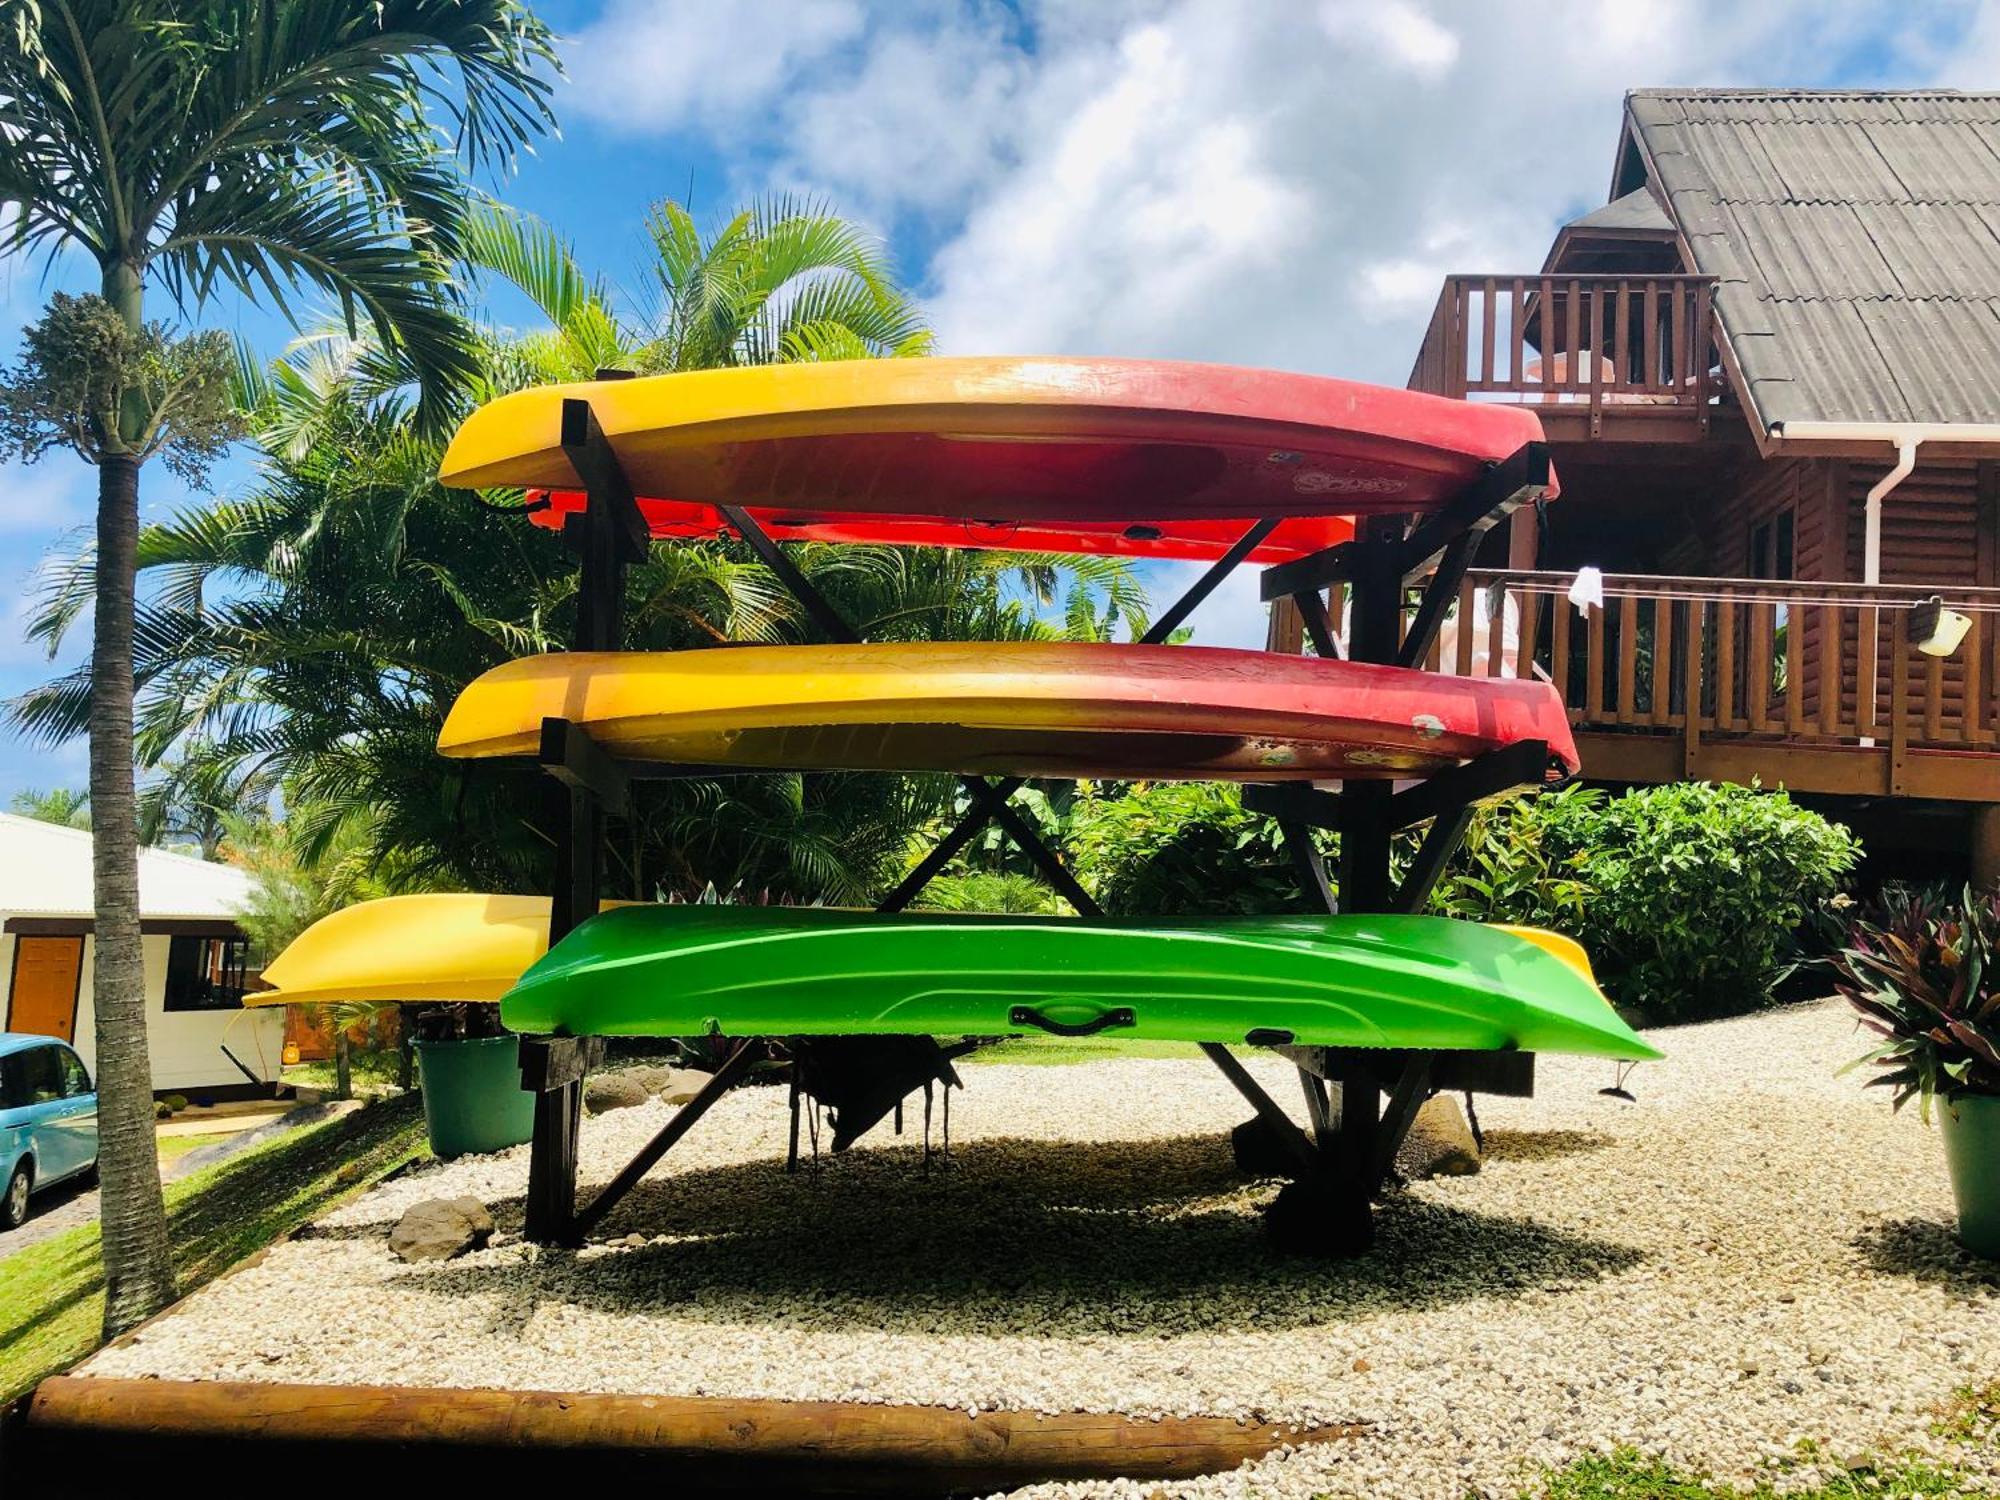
column 597, row 468
column 1834, row 770
column 1294, row 802
column 570, row 755
column 1520, row 478
column 484, row 1438
column 1494, row 775
column 1205, row 585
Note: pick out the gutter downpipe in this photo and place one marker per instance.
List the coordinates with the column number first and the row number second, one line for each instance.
column 1906, row 438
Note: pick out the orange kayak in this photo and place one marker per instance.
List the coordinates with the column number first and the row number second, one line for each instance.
column 1034, row 708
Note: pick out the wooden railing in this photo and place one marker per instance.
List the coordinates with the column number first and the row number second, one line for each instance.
column 1598, row 341
column 1743, row 661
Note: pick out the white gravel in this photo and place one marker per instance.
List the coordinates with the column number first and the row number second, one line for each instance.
column 1754, row 1254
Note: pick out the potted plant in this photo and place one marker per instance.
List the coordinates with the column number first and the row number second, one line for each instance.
column 1926, row 978
column 470, row 1070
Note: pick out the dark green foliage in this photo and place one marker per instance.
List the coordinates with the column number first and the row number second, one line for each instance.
column 1685, row 896
column 1523, row 862
column 1178, row 848
column 1695, row 887
column 88, row 383
column 1926, row 978
column 981, row 890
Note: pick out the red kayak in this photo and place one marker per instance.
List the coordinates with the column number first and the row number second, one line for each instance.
column 1143, row 458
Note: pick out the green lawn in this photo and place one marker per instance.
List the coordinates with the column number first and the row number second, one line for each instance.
column 374, row 1072
column 54, row 1307
column 1974, row 1422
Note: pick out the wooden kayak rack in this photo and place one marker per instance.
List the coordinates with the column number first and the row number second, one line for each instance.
column 507, row 1440
column 1360, row 1101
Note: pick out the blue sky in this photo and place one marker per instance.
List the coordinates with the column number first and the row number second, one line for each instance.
column 1281, row 184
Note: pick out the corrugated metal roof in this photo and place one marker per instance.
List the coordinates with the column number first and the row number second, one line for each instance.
column 1638, row 209
column 45, row 871
column 1857, row 241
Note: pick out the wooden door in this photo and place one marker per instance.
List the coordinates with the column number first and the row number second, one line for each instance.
column 42, row 998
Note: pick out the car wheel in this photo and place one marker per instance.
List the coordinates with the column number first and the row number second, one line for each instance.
column 14, row 1207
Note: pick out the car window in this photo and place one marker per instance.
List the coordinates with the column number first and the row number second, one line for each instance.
column 43, row 1066
column 76, row 1077
column 13, row 1080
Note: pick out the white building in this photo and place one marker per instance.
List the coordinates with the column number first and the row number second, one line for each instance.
column 195, row 1020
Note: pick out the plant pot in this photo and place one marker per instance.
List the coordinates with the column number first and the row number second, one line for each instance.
column 473, row 1099
column 1972, row 1148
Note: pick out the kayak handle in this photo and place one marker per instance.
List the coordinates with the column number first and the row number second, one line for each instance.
column 1027, row 1015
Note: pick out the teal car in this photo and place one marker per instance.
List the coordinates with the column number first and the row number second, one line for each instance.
column 48, row 1120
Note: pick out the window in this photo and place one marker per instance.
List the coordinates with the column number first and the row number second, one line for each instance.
column 1771, row 546
column 205, row 973
column 76, row 1077
column 33, row 1075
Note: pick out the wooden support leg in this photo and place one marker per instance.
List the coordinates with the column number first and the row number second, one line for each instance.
column 553, row 1069
column 1986, row 847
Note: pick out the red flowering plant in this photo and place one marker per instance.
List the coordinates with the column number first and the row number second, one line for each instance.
column 1925, row 977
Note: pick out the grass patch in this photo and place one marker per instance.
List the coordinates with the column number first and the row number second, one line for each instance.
column 1059, row 1051
column 173, row 1147
column 53, row 1312
column 1972, row 1420
column 1627, row 1476
column 374, row 1072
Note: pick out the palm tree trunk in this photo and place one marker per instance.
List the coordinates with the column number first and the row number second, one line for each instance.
column 343, row 1066
column 138, row 1262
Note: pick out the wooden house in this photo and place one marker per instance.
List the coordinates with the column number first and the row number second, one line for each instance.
column 1769, row 369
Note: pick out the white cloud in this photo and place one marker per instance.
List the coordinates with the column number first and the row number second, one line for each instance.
column 652, row 65
column 1404, row 35
column 1261, row 184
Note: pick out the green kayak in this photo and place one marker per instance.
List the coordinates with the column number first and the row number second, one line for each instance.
column 1359, row 981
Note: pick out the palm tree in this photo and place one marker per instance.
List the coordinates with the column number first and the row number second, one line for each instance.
column 362, row 596
column 193, row 145
column 63, row 805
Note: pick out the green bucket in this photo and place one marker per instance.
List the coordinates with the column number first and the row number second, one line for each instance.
column 1972, row 1148
column 473, row 1099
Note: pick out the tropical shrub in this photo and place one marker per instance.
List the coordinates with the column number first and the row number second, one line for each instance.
column 1926, row 978
column 1523, row 862
column 991, row 891
column 1696, row 888
column 1687, row 897
column 1179, row 848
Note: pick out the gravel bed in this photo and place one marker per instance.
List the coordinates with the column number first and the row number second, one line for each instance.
column 1753, row 1254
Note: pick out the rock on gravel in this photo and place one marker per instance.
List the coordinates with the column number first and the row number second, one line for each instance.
column 1609, row 1277
column 608, row 1091
column 441, row 1228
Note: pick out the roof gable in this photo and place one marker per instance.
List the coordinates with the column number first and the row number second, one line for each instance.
column 45, row 871
column 1855, row 238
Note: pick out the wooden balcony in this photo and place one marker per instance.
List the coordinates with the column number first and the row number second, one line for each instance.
column 1623, row 358
column 1741, row 679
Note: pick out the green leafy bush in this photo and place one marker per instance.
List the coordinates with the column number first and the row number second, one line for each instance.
column 1697, row 886
column 1179, row 848
column 1686, row 896
column 1523, row 862
column 987, row 890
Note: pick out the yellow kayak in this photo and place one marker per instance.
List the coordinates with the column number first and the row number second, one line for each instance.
column 1029, row 708
column 472, row 947
column 413, row 949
